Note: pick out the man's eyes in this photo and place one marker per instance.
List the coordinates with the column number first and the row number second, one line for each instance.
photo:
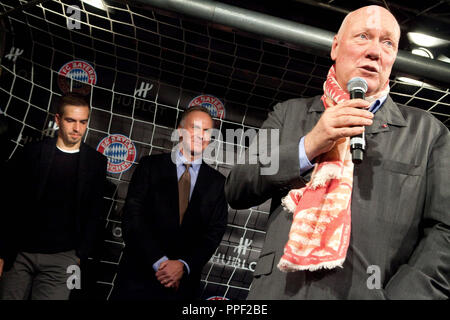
column 72, row 120
column 389, row 43
column 363, row 36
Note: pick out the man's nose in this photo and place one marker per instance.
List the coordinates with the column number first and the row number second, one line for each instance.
column 76, row 126
column 198, row 137
column 374, row 50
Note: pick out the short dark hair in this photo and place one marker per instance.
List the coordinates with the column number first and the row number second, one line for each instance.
column 71, row 98
column 192, row 109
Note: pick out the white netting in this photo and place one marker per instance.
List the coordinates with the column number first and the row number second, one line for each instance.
column 149, row 66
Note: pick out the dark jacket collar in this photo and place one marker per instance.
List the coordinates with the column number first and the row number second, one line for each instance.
column 46, row 158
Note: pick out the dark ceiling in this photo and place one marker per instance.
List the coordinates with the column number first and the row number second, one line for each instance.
column 243, row 69
column 431, row 17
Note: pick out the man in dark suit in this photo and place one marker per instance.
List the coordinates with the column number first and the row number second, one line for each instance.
column 3, row 158
column 55, row 198
column 174, row 218
column 3, row 138
column 398, row 246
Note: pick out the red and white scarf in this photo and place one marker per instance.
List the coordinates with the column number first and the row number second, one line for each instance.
column 320, row 231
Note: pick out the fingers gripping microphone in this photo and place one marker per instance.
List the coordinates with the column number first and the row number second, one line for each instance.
column 357, row 87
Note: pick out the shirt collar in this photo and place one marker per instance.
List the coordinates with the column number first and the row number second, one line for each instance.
column 68, row 151
column 377, row 104
column 181, row 160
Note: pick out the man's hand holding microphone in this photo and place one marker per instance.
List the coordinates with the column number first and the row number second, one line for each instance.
column 346, row 119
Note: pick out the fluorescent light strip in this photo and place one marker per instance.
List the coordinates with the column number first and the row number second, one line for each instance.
column 96, row 3
column 424, row 40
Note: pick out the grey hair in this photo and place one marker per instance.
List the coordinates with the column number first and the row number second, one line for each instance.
column 190, row 110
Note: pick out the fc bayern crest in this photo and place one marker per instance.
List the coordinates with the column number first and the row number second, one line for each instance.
column 120, row 151
column 214, row 105
column 217, row 298
column 82, row 72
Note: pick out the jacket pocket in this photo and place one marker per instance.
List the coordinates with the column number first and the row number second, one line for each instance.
column 401, row 167
column 264, row 265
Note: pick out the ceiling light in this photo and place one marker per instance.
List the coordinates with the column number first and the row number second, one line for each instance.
column 426, row 40
column 96, row 3
column 444, row 58
column 414, row 82
column 423, row 52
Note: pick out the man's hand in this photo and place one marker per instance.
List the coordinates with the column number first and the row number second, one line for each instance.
column 170, row 273
column 338, row 121
column 2, row 262
column 176, row 285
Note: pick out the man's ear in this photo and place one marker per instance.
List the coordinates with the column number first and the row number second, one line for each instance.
column 334, row 48
column 58, row 119
column 180, row 133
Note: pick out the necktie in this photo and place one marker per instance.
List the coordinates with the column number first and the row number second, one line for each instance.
column 184, row 187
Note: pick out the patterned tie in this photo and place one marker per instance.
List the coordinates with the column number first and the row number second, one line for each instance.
column 184, row 187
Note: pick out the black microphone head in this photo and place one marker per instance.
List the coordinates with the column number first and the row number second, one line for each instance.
column 357, row 83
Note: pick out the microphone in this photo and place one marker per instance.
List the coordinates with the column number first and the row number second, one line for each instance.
column 357, row 87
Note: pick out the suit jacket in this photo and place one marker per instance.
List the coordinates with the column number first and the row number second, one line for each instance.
column 28, row 171
column 4, row 154
column 3, row 139
column 151, row 228
column 400, row 209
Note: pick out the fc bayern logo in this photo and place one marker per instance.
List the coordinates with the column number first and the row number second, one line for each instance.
column 82, row 72
column 120, row 151
column 214, row 105
column 217, row 298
